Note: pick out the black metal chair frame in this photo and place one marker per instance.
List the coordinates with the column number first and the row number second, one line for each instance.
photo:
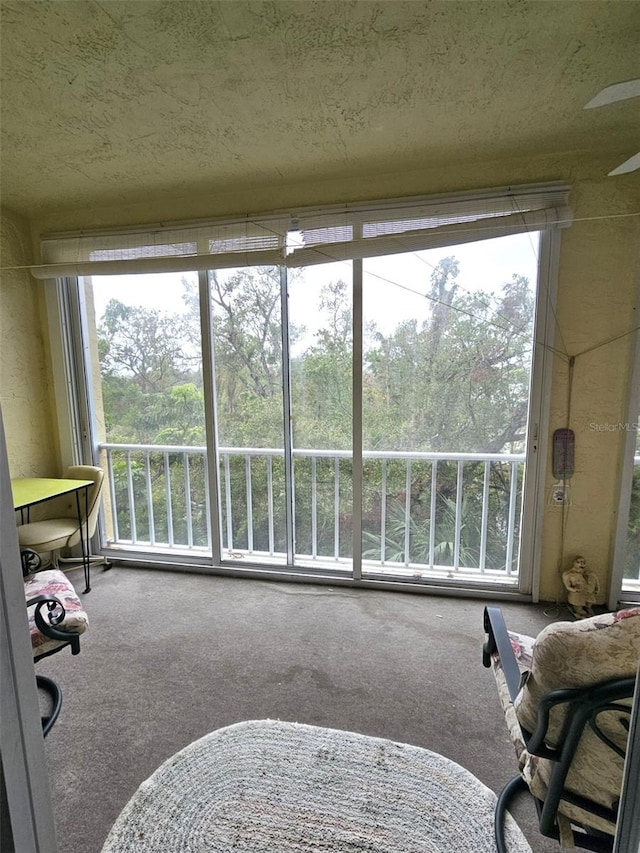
column 48, row 616
column 582, row 707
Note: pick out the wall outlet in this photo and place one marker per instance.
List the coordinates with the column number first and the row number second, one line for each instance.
column 559, row 495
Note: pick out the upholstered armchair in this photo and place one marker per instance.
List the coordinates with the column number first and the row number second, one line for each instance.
column 566, row 696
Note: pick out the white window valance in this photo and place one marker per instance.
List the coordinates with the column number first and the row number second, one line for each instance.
column 307, row 236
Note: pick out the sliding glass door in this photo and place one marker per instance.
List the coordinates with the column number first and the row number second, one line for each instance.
column 148, row 409
column 248, row 393
column 447, row 342
column 321, row 358
column 447, row 366
column 364, row 417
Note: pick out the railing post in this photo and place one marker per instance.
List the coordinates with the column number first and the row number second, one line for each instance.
column 112, row 488
column 207, row 501
column 485, row 515
column 513, row 492
column 270, row 503
column 336, row 509
column 407, row 516
column 187, row 499
column 132, row 502
column 227, row 493
column 167, row 485
column 247, row 478
column 383, row 513
column 432, row 511
column 314, row 509
column 458, row 523
column 152, row 530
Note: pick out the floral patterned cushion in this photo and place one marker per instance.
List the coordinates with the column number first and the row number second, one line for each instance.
column 54, row 582
column 578, row 654
column 522, row 646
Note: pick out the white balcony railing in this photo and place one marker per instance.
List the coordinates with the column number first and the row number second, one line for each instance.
column 452, row 512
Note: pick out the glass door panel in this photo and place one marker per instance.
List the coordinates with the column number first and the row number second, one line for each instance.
column 321, row 340
column 631, row 571
column 145, row 364
column 247, row 343
column 446, row 374
column 448, row 341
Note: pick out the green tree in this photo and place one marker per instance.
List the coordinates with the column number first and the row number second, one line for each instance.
column 144, row 355
column 148, row 346
column 321, row 377
column 247, row 337
column 458, row 381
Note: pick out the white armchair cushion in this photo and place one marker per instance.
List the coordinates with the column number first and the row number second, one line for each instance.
column 578, row 654
column 49, row 535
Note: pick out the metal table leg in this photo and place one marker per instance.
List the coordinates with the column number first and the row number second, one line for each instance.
column 85, row 545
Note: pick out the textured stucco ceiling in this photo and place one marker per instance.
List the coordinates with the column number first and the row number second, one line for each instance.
column 117, row 100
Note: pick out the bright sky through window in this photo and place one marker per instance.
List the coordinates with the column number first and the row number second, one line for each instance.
column 484, row 265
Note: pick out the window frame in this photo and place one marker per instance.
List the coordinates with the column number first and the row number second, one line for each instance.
column 78, row 438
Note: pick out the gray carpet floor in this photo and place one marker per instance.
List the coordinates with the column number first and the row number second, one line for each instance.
column 171, row 656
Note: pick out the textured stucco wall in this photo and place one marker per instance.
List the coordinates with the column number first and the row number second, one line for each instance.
column 597, row 306
column 24, row 375
column 169, row 98
column 596, row 301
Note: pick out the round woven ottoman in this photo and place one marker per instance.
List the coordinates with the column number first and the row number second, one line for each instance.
column 272, row 787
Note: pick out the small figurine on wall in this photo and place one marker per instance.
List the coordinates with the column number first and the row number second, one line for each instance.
column 583, row 587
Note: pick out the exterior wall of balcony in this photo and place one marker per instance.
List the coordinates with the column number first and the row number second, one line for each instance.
column 25, row 378
column 596, row 302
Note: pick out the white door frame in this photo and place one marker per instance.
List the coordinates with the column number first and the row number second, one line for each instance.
column 21, row 742
column 538, row 424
